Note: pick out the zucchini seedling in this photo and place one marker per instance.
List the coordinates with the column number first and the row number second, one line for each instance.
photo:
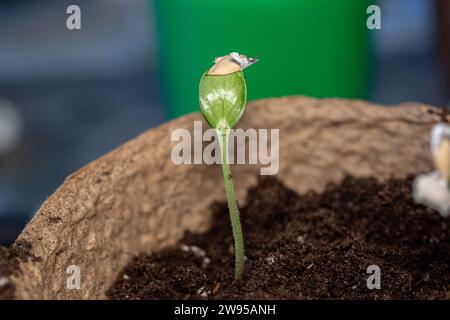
column 223, row 95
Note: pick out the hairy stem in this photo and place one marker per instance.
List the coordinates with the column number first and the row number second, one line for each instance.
column 223, row 134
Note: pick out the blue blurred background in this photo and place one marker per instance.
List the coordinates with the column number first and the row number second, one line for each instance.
column 67, row 97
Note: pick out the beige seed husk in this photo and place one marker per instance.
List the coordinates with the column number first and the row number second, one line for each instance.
column 225, row 65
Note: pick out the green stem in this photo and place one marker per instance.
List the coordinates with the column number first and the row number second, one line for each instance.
column 232, row 205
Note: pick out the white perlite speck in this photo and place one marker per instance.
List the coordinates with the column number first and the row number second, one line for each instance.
column 203, row 292
column 198, row 252
column 3, row 281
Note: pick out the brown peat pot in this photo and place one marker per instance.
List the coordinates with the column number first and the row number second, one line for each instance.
column 134, row 199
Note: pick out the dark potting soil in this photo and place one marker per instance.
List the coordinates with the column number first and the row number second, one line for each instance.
column 9, row 262
column 7, row 266
column 311, row 246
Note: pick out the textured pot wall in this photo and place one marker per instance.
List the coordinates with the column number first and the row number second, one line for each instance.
column 135, row 199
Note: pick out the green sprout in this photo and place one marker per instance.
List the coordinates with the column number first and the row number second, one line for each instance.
column 222, row 96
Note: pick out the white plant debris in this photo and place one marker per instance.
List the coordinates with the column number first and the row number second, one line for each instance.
column 301, row 239
column 438, row 133
column 432, row 189
column 243, row 60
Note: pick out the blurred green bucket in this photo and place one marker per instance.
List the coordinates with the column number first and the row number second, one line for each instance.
column 310, row 47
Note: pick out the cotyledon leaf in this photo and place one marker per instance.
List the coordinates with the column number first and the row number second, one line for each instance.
column 222, row 98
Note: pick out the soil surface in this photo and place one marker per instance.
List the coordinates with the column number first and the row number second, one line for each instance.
column 311, row 246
